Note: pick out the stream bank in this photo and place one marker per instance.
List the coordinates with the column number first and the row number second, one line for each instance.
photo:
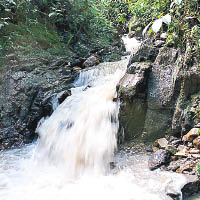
column 160, row 91
column 125, row 164
column 32, row 87
column 159, row 97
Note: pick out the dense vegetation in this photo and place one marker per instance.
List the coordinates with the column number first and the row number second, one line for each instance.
column 45, row 27
column 57, row 25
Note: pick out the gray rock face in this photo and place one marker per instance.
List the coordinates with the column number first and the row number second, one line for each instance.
column 169, row 95
column 133, row 82
column 132, row 92
column 160, row 157
column 160, row 93
column 26, row 93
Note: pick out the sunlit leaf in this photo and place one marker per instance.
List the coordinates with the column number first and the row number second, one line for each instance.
column 157, row 25
column 146, row 28
column 178, row 2
column 167, row 19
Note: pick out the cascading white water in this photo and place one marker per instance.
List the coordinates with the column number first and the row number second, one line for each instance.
column 80, row 135
column 70, row 161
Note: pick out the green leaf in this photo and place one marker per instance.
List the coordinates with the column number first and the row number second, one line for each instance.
column 198, row 168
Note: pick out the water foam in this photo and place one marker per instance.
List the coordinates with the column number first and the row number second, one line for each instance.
column 81, row 133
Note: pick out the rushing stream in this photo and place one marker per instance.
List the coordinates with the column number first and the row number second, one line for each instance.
column 71, row 159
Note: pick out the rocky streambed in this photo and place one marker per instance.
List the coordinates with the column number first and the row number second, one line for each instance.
column 159, row 95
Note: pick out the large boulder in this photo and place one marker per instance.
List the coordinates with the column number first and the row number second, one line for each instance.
column 160, row 95
column 134, row 81
column 187, row 98
column 146, row 52
column 132, row 93
column 91, row 61
column 27, row 93
column 169, row 97
column 191, row 187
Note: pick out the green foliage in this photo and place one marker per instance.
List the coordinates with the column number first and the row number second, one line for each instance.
column 113, row 57
column 53, row 26
column 184, row 26
column 198, row 167
column 81, row 24
column 145, row 11
column 115, row 12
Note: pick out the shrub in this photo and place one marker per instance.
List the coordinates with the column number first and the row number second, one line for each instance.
column 198, row 168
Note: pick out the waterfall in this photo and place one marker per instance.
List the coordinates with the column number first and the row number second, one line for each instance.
column 71, row 159
column 80, row 135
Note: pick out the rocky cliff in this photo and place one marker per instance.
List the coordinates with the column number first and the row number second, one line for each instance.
column 159, row 92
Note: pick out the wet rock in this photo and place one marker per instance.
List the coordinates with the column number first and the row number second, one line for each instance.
column 57, row 63
column 166, row 56
column 134, row 81
column 160, row 157
column 63, row 95
column 184, row 165
column 160, row 94
column 161, row 143
column 175, row 195
column 192, row 186
column 182, row 148
column 155, row 149
column 188, row 167
column 183, row 118
column 191, row 135
column 146, row 52
column 77, row 70
column 172, row 149
column 196, row 142
column 182, row 151
column 131, row 117
column 77, row 62
column 190, row 144
column 160, row 85
column 176, row 142
column 168, row 94
column 149, row 148
column 132, row 92
column 91, row 61
column 174, row 165
column 26, row 96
